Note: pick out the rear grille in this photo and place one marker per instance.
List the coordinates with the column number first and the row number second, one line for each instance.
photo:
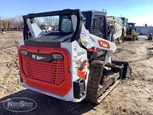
column 53, row 72
column 26, row 68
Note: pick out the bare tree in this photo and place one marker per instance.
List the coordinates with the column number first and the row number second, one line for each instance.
column 51, row 21
column 55, row 21
column 38, row 22
column 12, row 21
column 19, row 20
column 48, row 21
column 16, row 21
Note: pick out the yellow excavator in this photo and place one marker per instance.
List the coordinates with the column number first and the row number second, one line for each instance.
column 131, row 32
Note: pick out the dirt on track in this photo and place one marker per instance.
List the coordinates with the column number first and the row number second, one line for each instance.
column 133, row 96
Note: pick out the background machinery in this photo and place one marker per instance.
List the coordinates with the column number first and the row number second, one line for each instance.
column 46, row 28
column 150, row 36
column 115, row 28
column 131, row 32
column 73, row 63
column 4, row 25
column 125, row 25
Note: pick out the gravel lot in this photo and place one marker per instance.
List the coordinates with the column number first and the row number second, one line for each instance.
column 133, row 96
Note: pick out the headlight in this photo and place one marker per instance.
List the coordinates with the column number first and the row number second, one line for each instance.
column 24, row 52
column 57, row 56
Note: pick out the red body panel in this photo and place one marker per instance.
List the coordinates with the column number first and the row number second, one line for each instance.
column 53, row 77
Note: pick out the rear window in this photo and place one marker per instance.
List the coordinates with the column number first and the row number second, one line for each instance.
column 59, row 27
column 55, row 24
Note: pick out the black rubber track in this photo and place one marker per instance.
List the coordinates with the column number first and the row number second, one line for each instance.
column 96, row 71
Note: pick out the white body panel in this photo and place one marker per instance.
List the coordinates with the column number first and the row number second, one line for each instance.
column 91, row 41
column 118, row 26
column 118, row 30
column 125, row 29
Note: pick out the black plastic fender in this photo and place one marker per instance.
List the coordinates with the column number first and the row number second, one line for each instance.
column 127, row 69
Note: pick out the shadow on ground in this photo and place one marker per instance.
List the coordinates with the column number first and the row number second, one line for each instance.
column 47, row 105
column 150, row 48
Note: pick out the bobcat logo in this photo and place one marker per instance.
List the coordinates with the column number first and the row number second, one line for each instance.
column 36, row 57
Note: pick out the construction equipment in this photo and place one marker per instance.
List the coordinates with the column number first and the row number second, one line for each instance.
column 115, row 27
column 125, row 24
column 45, row 28
column 73, row 63
column 150, row 36
column 4, row 24
column 131, row 32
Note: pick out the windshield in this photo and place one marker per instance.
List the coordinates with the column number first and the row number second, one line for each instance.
column 125, row 22
column 130, row 26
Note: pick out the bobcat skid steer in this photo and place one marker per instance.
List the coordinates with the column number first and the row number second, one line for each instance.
column 72, row 63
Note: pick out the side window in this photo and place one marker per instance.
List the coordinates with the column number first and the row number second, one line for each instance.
column 84, row 21
column 66, row 25
column 101, row 22
column 98, row 26
column 95, row 29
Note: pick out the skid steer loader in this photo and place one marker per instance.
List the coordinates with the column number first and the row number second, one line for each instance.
column 72, row 63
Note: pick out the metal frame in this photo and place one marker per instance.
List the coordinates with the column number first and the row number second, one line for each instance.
column 90, row 16
column 53, row 13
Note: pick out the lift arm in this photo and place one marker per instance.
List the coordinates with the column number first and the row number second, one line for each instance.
column 91, row 41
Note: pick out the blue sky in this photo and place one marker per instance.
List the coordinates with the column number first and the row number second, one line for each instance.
column 139, row 11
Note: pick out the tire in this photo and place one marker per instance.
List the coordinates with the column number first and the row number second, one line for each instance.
column 136, row 38
column 149, row 38
column 133, row 38
column 123, row 39
column 118, row 40
column 5, row 30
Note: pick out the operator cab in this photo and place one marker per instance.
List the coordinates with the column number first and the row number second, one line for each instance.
column 130, row 27
column 95, row 22
column 125, row 21
column 68, row 25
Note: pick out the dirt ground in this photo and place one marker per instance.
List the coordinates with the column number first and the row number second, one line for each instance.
column 133, row 96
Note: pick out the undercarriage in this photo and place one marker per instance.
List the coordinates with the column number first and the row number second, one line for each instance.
column 102, row 81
